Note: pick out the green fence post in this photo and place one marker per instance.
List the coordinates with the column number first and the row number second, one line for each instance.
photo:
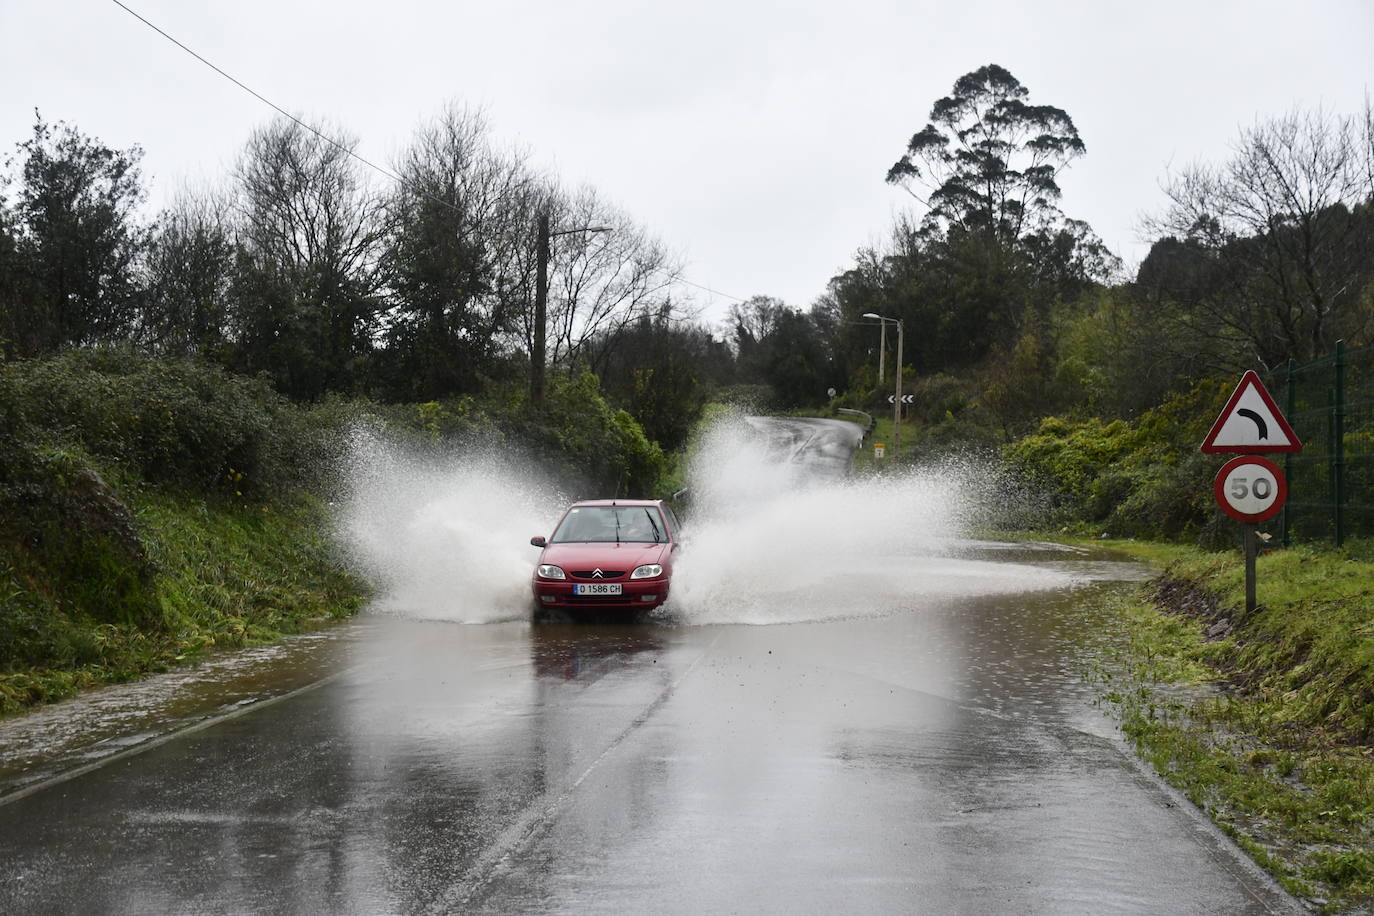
column 1338, row 444
column 1291, row 402
column 1330, row 459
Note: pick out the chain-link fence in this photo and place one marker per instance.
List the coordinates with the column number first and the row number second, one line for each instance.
column 1329, row 402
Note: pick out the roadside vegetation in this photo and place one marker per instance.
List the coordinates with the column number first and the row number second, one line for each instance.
column 153, row 511
column 1264, row 720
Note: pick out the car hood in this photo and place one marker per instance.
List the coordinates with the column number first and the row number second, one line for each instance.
column 604, row 556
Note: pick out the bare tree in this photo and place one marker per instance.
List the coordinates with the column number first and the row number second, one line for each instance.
column 462, row 260
column 309, row 233
column 1272, row 248
column 515, row 269
column 601, row 281
column 1369, row 140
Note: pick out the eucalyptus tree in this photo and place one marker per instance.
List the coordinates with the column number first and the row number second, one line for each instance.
column 987, row 161
column 307, row 280
column 991, row 254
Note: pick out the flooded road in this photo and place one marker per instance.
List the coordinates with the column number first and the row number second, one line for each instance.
column 946, row 759
column 891, row 725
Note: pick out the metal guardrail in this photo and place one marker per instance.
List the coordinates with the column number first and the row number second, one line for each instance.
column 859, row 413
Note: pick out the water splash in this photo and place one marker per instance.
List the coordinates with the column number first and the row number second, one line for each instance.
column 768, row 543
column 444, row 538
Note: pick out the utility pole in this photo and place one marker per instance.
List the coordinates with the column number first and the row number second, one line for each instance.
column 541, row 307
column 897, row 397
column 897, row 402
column 882, row 350
column 541, row 300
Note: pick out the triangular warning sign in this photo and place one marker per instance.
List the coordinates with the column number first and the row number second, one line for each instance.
column 1251, row 422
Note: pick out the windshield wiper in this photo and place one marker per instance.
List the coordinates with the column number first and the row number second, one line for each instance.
column 653, row 524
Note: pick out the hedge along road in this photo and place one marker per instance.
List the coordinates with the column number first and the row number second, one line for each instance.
column 916, row 742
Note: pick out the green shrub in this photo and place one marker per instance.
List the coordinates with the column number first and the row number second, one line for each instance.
column 590, row 443
column 180, row 422
column 87, row 582
column 1076, row 463
column 941, row 397
column 1141, row 479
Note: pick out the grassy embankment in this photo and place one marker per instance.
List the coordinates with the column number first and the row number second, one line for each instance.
column 153, row 511
column 225, row 577
column 1276, row 743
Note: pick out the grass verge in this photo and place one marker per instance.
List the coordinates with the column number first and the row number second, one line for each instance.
column 223, row 576
column 1265, row 720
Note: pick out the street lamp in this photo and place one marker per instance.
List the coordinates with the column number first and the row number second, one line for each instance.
column 541, row 301
column 882, row 346
column 897, row 398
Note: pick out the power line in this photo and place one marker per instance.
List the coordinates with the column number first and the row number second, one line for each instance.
column 341, row 147
column 681, row 279
column 275, row 107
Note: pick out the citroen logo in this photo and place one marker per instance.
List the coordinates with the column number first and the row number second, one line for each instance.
column 598, row 574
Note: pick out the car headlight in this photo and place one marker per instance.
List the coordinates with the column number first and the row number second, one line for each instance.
column 550, row 572
column 647, row 572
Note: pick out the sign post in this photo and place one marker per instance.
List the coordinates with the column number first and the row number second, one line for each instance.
column 1249, row 488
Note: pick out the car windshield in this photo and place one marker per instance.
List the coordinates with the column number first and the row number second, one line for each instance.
column 611, row 524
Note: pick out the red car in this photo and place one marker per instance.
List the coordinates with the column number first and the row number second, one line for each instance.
column 607, row 553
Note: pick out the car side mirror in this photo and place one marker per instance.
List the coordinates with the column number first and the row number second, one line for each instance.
column 538, row 542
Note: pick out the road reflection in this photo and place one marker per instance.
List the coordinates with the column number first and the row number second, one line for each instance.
column 573, row 650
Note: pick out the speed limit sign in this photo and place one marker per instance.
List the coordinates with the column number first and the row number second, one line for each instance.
column 1250, row 488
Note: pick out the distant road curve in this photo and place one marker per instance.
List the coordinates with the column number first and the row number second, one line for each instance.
column 825, row 447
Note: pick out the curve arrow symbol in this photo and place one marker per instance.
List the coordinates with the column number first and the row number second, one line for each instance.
column 1259, row 422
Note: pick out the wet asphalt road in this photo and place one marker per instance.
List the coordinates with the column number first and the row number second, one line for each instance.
column 946, row 760
column 942, row 756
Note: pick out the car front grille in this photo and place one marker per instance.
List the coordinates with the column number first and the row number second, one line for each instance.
column 605, row 574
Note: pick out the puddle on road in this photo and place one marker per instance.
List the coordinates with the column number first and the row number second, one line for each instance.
column 1014, row 652
column 1081, row 564
column 1023, row 653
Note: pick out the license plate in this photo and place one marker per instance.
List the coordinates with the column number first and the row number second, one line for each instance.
column 597, row 588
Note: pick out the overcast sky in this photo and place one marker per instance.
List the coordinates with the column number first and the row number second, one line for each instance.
column 751, row 137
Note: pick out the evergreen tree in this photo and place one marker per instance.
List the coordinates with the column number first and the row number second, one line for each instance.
column 69, row 256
